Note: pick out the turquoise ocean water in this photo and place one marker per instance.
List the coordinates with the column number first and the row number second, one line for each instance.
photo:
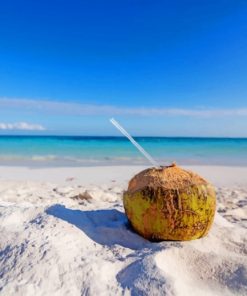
column 92, row 151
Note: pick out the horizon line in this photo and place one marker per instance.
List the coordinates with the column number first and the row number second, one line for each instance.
column 114, row 136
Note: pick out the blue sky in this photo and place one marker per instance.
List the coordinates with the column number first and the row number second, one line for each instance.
column 160, row 67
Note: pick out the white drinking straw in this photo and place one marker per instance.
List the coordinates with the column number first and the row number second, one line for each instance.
column 126, row 134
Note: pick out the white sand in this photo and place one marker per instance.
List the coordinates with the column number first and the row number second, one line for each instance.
column 55, row 244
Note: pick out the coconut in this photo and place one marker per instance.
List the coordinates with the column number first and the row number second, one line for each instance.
column 170, row 203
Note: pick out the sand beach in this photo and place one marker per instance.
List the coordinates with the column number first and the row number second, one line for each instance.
column 64, row 232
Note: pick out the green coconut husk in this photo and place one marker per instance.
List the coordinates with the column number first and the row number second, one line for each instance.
column 170, row 203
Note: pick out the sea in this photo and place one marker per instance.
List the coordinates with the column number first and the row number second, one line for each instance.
column 102, row 151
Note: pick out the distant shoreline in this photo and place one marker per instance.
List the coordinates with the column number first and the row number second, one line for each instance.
column 218, row 175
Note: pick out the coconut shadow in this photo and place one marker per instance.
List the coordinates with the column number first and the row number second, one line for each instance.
column 106, row 227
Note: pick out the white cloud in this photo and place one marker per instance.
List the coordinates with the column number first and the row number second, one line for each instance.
column 21, row 126
column 70, row 108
